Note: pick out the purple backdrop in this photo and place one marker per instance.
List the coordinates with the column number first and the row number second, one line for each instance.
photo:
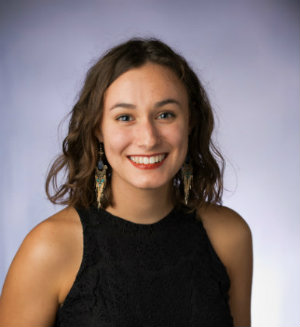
column 247, row 54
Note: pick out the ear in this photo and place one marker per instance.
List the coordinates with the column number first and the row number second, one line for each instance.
column 99, row 136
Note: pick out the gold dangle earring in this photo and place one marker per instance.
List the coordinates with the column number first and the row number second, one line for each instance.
column 187, row 177
column 100, row 176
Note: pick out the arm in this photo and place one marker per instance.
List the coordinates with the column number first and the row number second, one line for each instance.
column 32, row 289
column 232, row 241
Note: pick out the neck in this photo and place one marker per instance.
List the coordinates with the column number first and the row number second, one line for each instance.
column 143, row 206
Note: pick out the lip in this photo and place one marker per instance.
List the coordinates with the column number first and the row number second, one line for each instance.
column 147, row 166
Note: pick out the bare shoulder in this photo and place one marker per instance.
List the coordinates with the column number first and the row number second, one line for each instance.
column 224, row 223
column 231, row 238
column 228, row 232
column 37, row 276
column 52, row 238
column 52, row 247
column 59, row 227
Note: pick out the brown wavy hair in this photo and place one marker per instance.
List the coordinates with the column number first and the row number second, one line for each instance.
column 80, row 147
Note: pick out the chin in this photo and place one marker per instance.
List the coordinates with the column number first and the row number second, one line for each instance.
column 151, row 185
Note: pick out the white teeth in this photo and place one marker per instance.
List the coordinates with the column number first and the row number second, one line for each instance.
column 147, row 160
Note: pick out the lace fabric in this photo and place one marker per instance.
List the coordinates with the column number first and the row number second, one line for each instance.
column 161, row 274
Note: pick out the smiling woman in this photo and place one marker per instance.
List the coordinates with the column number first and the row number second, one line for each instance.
column 144, row 239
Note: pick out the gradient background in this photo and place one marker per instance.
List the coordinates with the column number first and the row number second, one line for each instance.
column 247, row 55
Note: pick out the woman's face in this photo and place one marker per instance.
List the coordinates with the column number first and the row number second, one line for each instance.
column 144, row 127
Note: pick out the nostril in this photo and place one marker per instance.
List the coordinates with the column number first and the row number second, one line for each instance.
column 148, row 135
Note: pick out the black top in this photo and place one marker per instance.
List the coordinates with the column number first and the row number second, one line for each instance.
column 160, row 274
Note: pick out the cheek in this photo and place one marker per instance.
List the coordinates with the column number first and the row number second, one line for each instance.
column 115, row 140
column 177, row 136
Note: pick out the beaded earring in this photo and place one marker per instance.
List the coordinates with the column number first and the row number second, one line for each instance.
column 100, row 177
column 187, row 177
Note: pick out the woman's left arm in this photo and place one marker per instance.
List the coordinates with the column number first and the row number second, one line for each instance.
column 231, row 238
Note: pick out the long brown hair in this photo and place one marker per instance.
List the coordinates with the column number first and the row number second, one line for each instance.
column 79, row 150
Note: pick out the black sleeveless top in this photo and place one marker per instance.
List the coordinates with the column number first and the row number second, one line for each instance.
column 160, row 274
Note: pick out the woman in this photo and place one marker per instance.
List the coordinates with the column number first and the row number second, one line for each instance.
column 143, row 239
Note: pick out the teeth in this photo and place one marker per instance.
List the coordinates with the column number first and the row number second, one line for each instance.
column 147, row 160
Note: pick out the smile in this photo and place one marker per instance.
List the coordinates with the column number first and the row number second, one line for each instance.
column 148, row 162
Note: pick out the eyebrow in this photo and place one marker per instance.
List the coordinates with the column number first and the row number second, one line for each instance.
column 157, row 104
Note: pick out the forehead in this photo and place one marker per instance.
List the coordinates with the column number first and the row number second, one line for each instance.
column 150, row 82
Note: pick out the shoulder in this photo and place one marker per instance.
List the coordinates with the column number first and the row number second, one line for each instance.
column 227, row 230
column 53, row 246
column 53, row 237
column 231, row 238
column 39, row 273
column 49, row 244
column 220, row 219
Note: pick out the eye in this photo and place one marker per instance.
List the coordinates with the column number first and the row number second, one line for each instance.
column 166, row 115
column 124, row 118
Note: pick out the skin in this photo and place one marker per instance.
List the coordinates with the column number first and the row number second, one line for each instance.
column 44, row 268
column 232, row 240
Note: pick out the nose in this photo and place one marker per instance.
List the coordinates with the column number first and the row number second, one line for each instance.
column 147, row 134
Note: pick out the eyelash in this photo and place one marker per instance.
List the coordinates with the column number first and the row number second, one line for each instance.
column 126, row 118
column 120, row 118
column 170, row 114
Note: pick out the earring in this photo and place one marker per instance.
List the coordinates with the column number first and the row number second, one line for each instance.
column 100, row 177
column 187, row 176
